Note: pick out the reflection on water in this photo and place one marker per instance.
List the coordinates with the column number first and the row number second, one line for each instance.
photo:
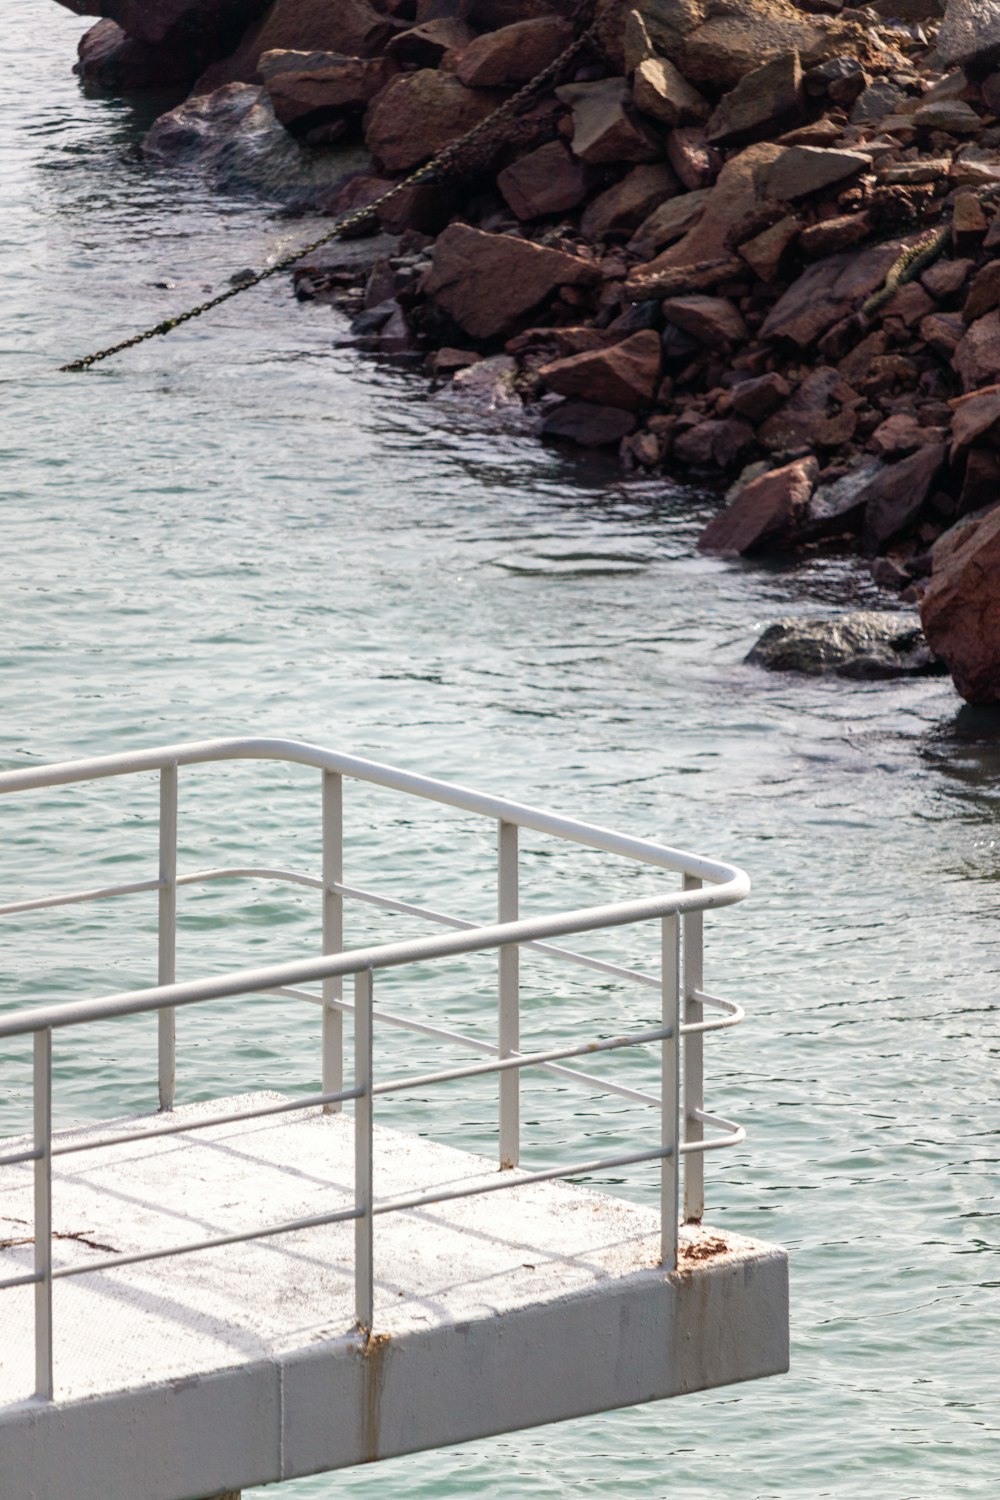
column 246, row 529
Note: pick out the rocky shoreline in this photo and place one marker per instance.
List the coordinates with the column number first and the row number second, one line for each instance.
column 710, row 245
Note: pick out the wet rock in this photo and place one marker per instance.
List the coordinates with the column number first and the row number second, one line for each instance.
column 305, row 86
column 837, row 508
column 486, row 283
column 715, row 444
column 970, row 34
column 868, row 645
column 587, row 425
column 509, row 57
column 827, row 292
column 205, row 26
column 489, row 384
column 623, row 375
column 801, row 170
column 545, row 182
column 768, row 100
column 764, row 514
column 620, row 209
column 894, row 498
column 110, row 60
column 960, row 609
column 233, row 135
column 605, row 127
column 977, row 356
column 419, row 113
column 713, row 321
column 662, row 92
column 822, row 412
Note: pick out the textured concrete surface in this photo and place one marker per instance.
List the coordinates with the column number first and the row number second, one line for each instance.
column 221, row 1369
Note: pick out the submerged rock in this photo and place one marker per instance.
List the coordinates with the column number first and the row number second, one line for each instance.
column 868, row 645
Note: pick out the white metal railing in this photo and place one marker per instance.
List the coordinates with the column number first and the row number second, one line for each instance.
column 683, row 1001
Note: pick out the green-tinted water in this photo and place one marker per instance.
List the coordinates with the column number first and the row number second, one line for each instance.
column 243, row 530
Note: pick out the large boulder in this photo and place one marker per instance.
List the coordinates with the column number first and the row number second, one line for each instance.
column 419, row 113
column 763, row 515
column 514, row 54
column 305, row 87
column 544, row 182
column 621, row 208
column 353, row 28
column 960, row 610
column 109, row 59
column 211, row 26
column 970, row 34
column 734, row 195
column 488, row 283
column 767, row 100
column 867, row 644
column 624, row 375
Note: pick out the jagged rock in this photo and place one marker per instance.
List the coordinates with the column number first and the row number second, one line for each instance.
column 510, row 56
column 758, row 397
column 736, row 39
column 869, row 645
column 823, row 411
column 692, row 158
column 952, row 115
column 664, row 23
column 969, row 35
column 587, row 425
column 425, row 45
column 662, row 92
column 304, row 85
column 942, row 332
column 841, row 79
column 837, row 508
column 827, row 292
column 623, row 375
column 765, row 101
column 732, row 198
column 878, row 101
column 944, row 278
column 893, row 499
column 713, row 321
column 234, row 136
column 486, row 283
column 902, row 434
column 801, row 170
column 983, row 294
column 976, row 418
column 669, row 222
column 960, row 609
column 210, row 26
column 419, row 113
column 605, row 128
column 977, row 356
column 623, row 207
column 828, row 236
column 765, row 252
column 764, row 513
column 715, row 444
column 546, row 181
column 352, row 28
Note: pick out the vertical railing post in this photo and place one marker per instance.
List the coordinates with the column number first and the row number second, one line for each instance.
column 509, row 1003
column 364, row 1271
column 43, row 1213
column 670, row 1012
column 166, row 971
column 333, row 934
column 694, row 1061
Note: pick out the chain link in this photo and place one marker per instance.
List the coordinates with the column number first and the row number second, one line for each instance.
column 445, row 161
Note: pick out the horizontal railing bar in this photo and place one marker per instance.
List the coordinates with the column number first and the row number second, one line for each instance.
column 523, row 1060
column 19, row 1156
column 98, row 893
column 251, row 872
column 308, row 1101
column 505, row 1180
column 390, row 955
column 459, row 1039
column 30, row 1278
column 314, row 1221
column 732, row 884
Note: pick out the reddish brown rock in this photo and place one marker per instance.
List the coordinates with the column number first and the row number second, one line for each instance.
column 821, row 413
column 622, row 375
column 605, row 127
column 983, row 294
column 764, row 102
column 765, row 251
column 946, row 277
column 713, row 321
column 352, row 28
column 486, row 283
column 960, row 610
column 854, row 367
column 910, row 304
column 732, row 199
column 764, row 514
column 901, row 434
column 829, row 236
column 302, row 85
column 827, row 292
column 419, row 113
column 587, row 425
column 217, row 23
column 941, row 332
column 715, row 444
column 692, row 158
column 663, row 93
column 968, row 222
column 735, row 39
column 510, row 56
column 894, row 497
column 981, row 481
column 122, row 64
column 977, row 357
column 758, row 397
column 620, row 209
column 801, row 170
column 546, row 181
column 976, row 418
column 424, row 46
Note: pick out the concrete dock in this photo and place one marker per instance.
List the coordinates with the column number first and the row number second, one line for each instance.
column 214, row 1371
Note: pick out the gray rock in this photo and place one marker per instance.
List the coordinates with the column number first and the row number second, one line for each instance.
column 970, row 33
column 868, row 645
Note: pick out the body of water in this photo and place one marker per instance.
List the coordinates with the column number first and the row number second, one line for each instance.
column 243, row 529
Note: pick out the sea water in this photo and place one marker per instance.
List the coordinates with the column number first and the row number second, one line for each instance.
column 245, row 529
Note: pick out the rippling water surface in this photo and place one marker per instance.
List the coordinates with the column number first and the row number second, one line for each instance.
column 243, row 529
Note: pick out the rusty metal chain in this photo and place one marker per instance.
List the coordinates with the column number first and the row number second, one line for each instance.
column 445, row 160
